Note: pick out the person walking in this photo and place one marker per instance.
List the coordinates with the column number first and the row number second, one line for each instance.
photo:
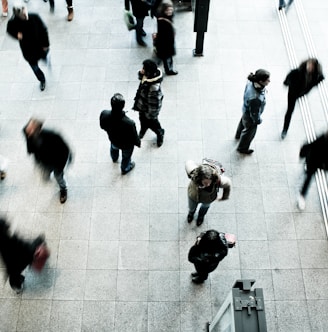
column 69, row 4
column 32, row 35
column 316, row 157
column 148, row 100
column 206, row 254
column 16, row 254
column 51, row 152
column 140, row 9
column 121, row 132
column 165, row 37
column 205, row 182
column 253, row 107
column 300, row 81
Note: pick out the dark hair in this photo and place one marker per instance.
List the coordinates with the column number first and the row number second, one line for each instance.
column 164, row 5
column 260, row 75
column 150, row 68
column 203, row 172
column 212, row 242
column 317, row 66
column 117, row 102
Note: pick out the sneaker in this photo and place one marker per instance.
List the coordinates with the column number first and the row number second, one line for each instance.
column 42, row 85
column 63, row 196
column 301, row 202
column 132, row 165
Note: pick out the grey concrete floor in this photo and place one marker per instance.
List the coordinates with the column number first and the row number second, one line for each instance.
column 119, row 244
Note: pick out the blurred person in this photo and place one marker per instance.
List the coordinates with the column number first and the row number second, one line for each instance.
column 165, row 37
column 32, row 35
column 70, row 10
column 253, row 107
column 51, row 152
column 17, row 254
column 4, row 8
column 316, row 157
column 148, row 100
column 205, row 182
column 206, row 254
column 140, row 9
column 282, row 4
column 300, row 81
column 121, row 132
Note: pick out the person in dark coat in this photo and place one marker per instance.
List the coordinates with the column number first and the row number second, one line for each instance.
column 148, row 100
column 121, row 132
column 140, row 9
column 16, row 254
column 165, row 38
column 300, row 81
column 316, row 157
column 33, row 38
column 206, row 254
column 51, row 152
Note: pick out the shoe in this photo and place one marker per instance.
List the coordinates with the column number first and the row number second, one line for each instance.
column 141, row 43
column 70, row 14
column 171, row 72
column 194, row 274
column 301, row 202
column 283, row 134
column 19, row 289
column 199, row 220
column 63, row 196
column 160, row 138
column 2, row 175
column 190, row 217
column 115, row 160
column 143, row 33
column 4, row 14
column 197, row 280
column 42, row 85
column 132, row 165
column 249, row 151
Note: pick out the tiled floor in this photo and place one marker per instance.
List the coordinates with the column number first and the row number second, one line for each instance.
column 119, row 244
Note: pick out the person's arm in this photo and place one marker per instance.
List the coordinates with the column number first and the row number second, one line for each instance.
column 225, row 183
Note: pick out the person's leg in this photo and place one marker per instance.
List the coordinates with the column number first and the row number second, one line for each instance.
column 291, row 99
column 201, row 275
column 52, row 5
column 239, row 129
column 306, row 184
column 39, row 74
column 156, row 127
column 126, row 164
column 16, row 282
column 143, row 124
column 59, row 176
column 246, row 137
column 168, row 66
column 70, row 10
column 192, row 205
column 114, row 152
column 139, row 31
column 202, row 211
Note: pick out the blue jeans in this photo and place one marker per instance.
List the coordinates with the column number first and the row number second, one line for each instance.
column 126, row 156
column 193, row 206
column 58, row 175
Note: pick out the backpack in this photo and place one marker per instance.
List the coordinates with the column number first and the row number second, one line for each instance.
column 215, row 164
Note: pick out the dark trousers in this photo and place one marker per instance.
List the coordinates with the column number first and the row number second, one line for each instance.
column 37, row 71
column 290, row 109
column 246, row 131
column 126, row 156
column 139, row 28
column 204, row 269
column 152, row 124
column 307, row 181
column 168, row 64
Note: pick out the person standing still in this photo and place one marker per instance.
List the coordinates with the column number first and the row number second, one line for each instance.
column 33, row 38
column 253, row 107
column 148, row 100
column 165, row 38
column 121, row 132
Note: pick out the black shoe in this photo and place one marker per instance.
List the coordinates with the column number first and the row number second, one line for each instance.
column 132, row 165
column 194, row 274
column 143, row 33
column 197, row 280
column 115, row 160
column 160, row 138
column 190, row 217
column 42, row 85
column 199, row 220
column 171, row 72
column 141, row 43
column 283, row 134
column 63, row 196
column 237, row 136
column 249, row 151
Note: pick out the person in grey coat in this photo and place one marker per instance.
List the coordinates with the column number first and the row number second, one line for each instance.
column 121, row 132
column 253, row 107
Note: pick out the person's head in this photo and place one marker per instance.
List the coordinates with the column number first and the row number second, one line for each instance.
column 166, row 9
column 20, row 11
column 117, row 102
column 311, row 66
column 204, row 175
column 211, row 242
column 150, row 68
column 33, row 127
column 261, row 77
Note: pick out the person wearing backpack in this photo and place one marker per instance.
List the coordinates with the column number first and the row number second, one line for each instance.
column 205, row 181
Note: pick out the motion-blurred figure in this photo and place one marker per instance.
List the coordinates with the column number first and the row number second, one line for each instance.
column 70, row 10
column 4, row 8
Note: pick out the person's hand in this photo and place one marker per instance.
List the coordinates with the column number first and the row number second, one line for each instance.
column 19, row 36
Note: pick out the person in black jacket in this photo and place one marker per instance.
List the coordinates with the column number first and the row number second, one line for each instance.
column 316, row 157
column 300, row 81
column 121, row 132
column 206, row 254
column 51, row 152
column 165, row 38
column 33, row 38
column 16, row 254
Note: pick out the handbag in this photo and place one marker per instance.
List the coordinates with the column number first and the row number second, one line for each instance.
column 40, row 257
column 129, row 20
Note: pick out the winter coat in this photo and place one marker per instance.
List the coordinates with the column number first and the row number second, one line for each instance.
column 254, row 103
column 165, row 38
column 120, row 129
column 149, row 96
column 316, row 154
column 35, row 36
column 49, row 149
column 202, row 254
column 140, row 8
column 298, row 83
